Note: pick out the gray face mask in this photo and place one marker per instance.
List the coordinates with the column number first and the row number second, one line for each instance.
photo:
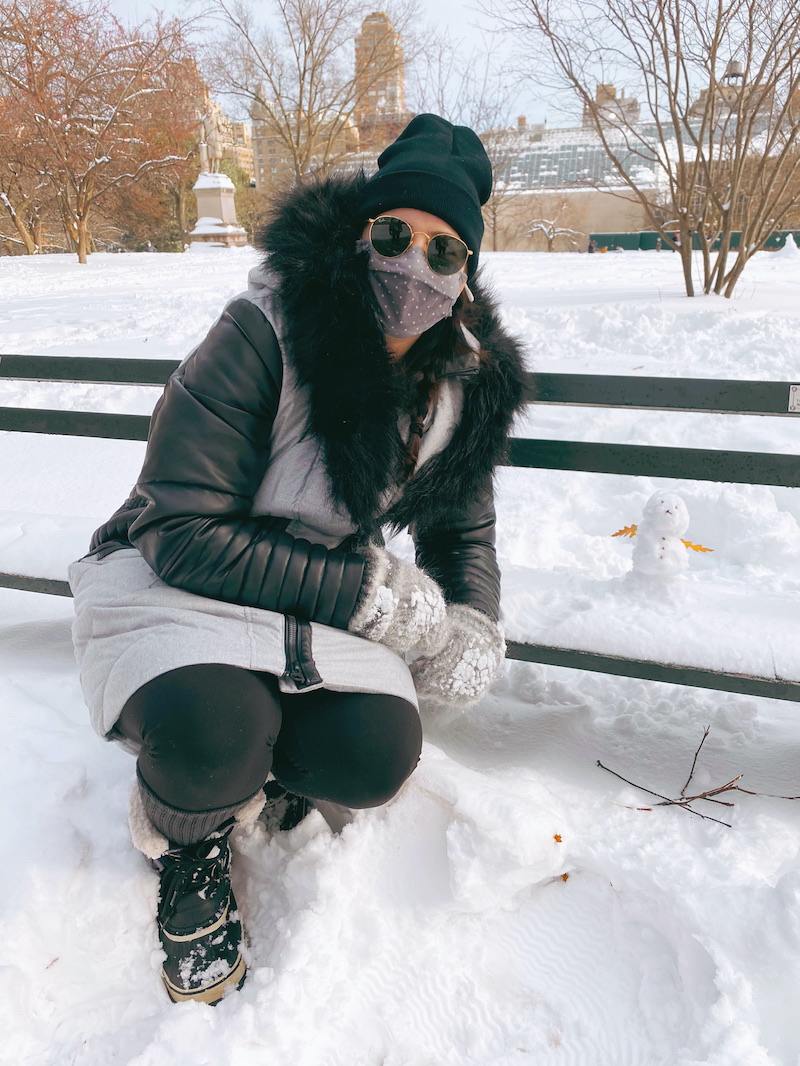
column 411, row 297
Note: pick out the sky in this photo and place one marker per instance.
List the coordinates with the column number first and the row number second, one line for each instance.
column 464, row 22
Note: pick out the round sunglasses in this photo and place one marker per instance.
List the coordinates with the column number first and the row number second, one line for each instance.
column 391, row 236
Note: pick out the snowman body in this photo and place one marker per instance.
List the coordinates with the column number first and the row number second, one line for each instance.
column 658, row 550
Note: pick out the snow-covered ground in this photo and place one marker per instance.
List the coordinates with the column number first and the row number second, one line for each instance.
column 512, row 906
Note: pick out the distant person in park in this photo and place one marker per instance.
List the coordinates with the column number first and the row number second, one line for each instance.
column 241, row 627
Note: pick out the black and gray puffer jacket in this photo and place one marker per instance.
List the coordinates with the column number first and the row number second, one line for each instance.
column 191, row 513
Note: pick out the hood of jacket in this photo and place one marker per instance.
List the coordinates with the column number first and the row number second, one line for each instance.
column 356, row 393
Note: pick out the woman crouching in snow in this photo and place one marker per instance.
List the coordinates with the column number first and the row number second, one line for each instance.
column 238, row 617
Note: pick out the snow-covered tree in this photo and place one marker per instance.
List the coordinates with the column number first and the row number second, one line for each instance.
column 91, row 100
column 23, row 191
column 553, row 229
column 717, row 116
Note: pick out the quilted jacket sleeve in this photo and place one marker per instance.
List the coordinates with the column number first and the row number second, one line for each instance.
column 207, row 452
column 460, row 555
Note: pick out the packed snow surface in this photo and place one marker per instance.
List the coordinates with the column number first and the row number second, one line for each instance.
column 515, row 904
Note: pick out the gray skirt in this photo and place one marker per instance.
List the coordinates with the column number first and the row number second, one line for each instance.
column 130, row 627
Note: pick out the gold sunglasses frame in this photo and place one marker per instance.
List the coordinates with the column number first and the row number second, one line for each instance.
column 428, row 238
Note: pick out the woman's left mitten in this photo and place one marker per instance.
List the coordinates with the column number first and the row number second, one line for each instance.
column 464, row 669
column 400, row 605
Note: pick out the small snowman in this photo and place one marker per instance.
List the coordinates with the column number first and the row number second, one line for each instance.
column 660, row 554
column 659, row 550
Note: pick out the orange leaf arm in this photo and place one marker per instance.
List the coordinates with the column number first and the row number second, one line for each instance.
column 695, row 547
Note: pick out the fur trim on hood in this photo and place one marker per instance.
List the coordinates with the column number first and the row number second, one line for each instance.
column 356, row 393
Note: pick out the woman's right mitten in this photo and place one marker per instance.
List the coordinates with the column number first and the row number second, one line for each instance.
column 466, row 666
column 400, row 606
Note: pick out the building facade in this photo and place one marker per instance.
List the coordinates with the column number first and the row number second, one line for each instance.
column 538, row 172
column 610, row 108
column 380, row 113
column 377, row 110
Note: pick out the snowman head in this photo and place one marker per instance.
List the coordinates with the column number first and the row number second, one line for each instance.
column 666, row 513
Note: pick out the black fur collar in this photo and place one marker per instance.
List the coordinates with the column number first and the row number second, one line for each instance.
column 357, row 394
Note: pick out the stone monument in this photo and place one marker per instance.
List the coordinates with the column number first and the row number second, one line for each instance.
column 217, row 226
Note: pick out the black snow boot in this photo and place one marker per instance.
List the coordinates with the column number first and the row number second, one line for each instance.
column 283, row 809
column 198, row 921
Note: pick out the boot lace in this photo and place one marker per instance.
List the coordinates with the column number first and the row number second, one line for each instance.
column 191, row 868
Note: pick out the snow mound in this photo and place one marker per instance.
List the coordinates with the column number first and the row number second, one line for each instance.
column 789, row 249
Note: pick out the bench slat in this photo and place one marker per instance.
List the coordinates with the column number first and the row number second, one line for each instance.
column 669, row 673
column 641, row 460
column 102, row 371
column 590, row 390
column 48, row 585
column 74, row 423
column 638, row 460
column 708, row 395
column 672, row 673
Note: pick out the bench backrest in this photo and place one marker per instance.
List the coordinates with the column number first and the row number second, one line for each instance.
column 581, row 390
column 578, row 390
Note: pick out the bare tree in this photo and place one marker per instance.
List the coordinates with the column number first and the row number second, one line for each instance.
column 89, row 99
column 473, row 88
column 553, row 228
column 23, row 192
column 173, row 138
column 503, row 146
column 718, row 81
column 295, row 73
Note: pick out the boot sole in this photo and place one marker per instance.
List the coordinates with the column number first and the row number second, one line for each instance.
column 212, row 993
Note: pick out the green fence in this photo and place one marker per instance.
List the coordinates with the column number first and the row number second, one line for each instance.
column 649, row 240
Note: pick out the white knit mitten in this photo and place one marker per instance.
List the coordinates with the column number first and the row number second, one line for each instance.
column 460, row 673
column 400, row 605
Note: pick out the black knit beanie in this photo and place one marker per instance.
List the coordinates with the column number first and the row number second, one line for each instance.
column 437, row 167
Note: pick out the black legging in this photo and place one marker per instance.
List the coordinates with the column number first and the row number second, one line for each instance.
column 210, row 734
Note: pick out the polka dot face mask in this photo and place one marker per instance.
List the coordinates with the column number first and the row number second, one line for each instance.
column 410, row 296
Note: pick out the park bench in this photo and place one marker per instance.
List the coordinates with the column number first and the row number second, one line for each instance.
column 579, row 390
